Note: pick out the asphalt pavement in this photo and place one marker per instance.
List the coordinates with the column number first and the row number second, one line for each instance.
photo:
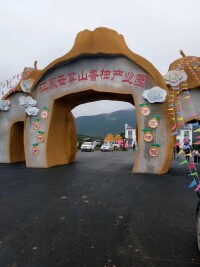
column 96, row 213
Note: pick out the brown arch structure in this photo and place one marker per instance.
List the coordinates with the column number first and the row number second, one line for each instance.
column 99, row 66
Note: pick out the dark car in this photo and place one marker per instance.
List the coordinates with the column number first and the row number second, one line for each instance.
column 198, row 221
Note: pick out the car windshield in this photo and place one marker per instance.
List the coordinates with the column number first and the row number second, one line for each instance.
column 105, row 144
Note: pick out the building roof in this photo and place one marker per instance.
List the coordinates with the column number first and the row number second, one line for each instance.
column 129, row 127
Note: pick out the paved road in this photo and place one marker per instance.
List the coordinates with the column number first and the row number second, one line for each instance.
column 96, row 213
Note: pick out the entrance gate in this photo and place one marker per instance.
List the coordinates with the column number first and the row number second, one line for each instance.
column 99, row 67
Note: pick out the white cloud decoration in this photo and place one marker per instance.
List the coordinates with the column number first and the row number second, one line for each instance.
column 175, row 77
column 27, row 101
column 4, row 105
column 32, row 111
column 155, row 94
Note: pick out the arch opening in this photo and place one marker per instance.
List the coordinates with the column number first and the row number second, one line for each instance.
column 17, row 142
column 62, row 125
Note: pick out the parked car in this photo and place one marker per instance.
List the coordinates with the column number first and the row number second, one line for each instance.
column 87, row 146
column 116, row 145
column 107, row 147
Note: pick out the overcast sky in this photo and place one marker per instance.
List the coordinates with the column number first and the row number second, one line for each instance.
column 44, row 30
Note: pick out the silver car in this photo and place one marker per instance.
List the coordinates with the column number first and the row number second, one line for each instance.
column 107, row 147
column 87, row 146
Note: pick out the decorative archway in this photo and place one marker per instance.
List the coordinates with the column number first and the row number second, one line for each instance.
column 99, row 66
column 183, row 86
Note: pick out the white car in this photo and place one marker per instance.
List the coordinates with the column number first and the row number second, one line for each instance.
column 87, row 146
column 116, row 145
column 107, row 147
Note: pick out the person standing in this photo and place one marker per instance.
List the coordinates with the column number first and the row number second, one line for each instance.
column 187, row 154
column 195, row 155
column 177, row 150
column 174, row 152
column 186, row 140
column 134, row 146
column 198, row 156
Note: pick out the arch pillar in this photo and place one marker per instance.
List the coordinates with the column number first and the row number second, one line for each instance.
column 62, row 140
column 12, row 131
column 145, row 163
column 59, row 138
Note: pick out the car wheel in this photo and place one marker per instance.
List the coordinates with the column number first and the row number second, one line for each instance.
column 198, row 230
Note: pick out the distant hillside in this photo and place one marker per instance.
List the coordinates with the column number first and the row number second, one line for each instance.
column 102, row 124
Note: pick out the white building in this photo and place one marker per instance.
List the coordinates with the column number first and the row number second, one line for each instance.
column 186, row 130
column 130, row 135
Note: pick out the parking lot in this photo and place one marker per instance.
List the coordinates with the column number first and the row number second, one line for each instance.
column 96, row 213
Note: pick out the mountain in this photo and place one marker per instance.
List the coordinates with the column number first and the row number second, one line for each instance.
column 102, row 124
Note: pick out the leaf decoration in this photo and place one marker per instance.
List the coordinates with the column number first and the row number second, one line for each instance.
column 146, row 130
column 157, row 117
column 143, row 104
column 45, row 108
column 37, row 119
column 36, row 144
column 40, row 132
column 156, row 145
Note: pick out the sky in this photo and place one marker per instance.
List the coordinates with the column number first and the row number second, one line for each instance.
column 45, row 30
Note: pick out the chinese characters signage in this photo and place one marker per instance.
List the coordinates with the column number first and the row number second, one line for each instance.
column 154, row 152
column 148, row 137
column 35, row 150
column 36, row 125
column 44, row 114
column 153, row 123
column 94, row 75
column 40, row 138
column 145, row 111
